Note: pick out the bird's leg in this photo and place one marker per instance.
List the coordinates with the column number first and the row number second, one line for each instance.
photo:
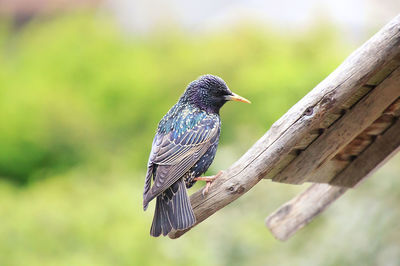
column 209, row 180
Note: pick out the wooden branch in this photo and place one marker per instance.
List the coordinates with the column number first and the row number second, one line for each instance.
column 299, row 211
column 336, row 137
column 298, row 122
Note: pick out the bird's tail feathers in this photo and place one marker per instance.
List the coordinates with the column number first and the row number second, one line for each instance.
column 161, row 223
column 173, row 210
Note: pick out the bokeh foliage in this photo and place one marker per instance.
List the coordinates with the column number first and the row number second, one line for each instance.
column 75, row 86
column 79, row 103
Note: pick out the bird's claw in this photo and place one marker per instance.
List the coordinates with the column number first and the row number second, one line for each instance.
column 209, row 180
column 204, row 192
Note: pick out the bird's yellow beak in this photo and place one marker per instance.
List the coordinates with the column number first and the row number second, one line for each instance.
column 237, row 98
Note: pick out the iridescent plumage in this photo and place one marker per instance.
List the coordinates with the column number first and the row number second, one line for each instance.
column 183, row 148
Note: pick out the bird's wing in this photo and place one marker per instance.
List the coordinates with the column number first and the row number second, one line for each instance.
column 173, row 154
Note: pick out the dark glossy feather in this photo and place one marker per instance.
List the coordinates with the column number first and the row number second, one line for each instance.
column 173, row 157
column 183, row 148
column 173, row 210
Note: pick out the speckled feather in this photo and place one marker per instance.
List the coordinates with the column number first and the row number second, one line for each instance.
column 197, row 122
column 183, row 148
column 184, row 132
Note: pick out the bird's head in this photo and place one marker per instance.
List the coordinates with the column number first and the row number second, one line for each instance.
column 210, row 93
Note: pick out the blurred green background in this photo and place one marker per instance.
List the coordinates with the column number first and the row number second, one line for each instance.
column 80, row 100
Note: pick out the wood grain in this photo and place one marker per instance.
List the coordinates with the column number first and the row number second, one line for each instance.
column 336, row 137
column 376, row 154
column 299, row 211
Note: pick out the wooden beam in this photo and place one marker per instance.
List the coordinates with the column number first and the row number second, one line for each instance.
column 327, row 172
column 384, row 72
column 375, row 155
column 298, row 212
column 298, row 122
column 295, row 214
column 337, row 136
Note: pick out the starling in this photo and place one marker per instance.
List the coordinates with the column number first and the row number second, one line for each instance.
column 183, row 148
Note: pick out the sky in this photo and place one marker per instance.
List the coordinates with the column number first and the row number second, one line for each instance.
column 355, row 18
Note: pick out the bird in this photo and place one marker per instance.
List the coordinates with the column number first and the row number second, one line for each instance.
column 183, row 148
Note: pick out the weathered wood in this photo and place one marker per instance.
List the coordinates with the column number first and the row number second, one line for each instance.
column 361, row 92
column 336, row 137
column 376, row 154
column 295, row 214
column 330, row 169
column 282, row 163
column 299, row 211
column 393, row 109
column 385, row 71
column 380, row 125
column 326, row 172
column 298, row 122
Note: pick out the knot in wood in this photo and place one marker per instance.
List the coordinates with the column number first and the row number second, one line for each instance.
column 236, row 189
column 309, row 111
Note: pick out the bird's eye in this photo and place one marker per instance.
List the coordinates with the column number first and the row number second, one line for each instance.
column 220, row 93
